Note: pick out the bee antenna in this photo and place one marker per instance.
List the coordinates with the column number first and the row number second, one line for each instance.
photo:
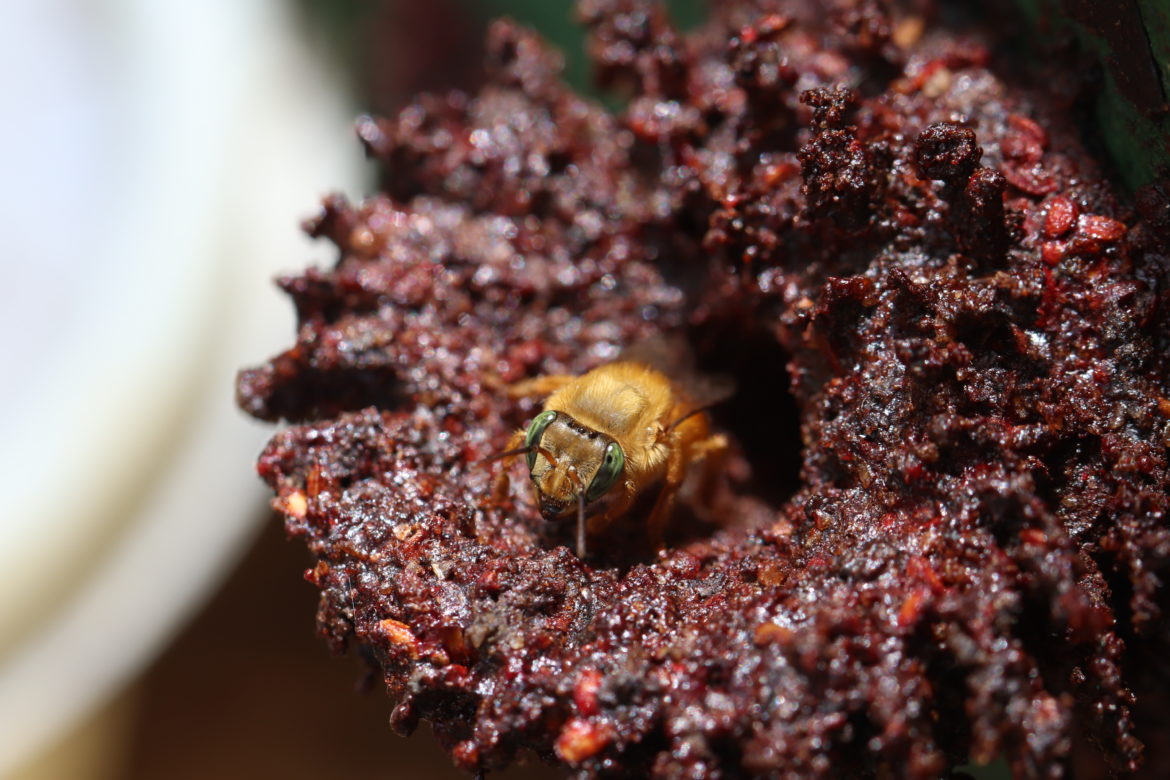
column 520, row 451
column 505, row 454
column 687, row 416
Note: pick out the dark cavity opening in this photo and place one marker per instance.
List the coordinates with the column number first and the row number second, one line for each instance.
column 762, row 417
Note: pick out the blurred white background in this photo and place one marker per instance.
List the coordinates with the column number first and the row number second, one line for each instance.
column 156, row 159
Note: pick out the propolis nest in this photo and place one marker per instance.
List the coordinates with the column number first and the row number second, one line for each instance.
column 942, row 537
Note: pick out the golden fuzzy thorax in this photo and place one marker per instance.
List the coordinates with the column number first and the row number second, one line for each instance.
column 628, row 403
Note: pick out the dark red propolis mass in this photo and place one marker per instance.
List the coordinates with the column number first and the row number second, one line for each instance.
column 943, row 535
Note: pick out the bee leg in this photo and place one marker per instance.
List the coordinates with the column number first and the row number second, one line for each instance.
column 538, row 386
column 502, row 482
column 500, row 486
column 598, row 523
column 712, row 451
column 656, row 524
column 676, row 471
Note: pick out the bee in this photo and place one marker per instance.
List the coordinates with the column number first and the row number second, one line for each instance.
column 606, row 437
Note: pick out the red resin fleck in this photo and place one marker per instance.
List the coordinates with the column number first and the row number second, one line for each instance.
column 1098, row 228
column 1052, row 252
column 581, row 739
column 400, row 634
column 911, row 608
column 1060, row 218
column 585, row 692
column 1025, row 140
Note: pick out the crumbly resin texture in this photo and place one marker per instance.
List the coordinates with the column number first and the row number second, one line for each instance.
column 942, row 537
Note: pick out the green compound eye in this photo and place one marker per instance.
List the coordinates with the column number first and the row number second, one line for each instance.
column 535, row 431
column 611, row 469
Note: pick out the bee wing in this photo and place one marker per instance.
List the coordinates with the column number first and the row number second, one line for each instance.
column 669, row 353
column 707, row 390
column 673, row 356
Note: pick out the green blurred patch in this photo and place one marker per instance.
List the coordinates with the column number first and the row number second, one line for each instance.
column 1130, row 42
column 555, row 22
column 996, row 770
column 342, row 21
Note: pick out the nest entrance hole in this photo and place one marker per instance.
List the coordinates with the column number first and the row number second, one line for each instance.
column 762, row 417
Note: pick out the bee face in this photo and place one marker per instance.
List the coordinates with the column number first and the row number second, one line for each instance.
column 582, row 461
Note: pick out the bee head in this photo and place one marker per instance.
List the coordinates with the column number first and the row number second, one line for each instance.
column 569, row 463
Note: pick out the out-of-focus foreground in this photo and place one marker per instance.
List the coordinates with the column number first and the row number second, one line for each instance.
column 156, row 160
